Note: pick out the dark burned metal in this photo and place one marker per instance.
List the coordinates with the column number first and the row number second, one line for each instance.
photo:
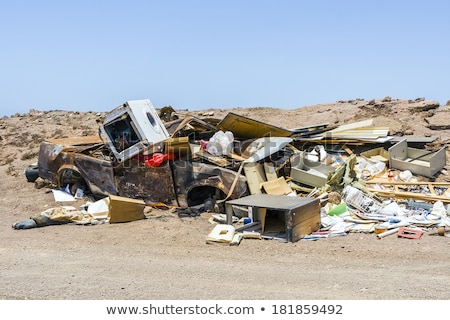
column 87, row 163
column 97, row 173
column 153, row 184
column 191, row 127
column 177, row 182
column 98, row 164
column 196, row 182
column 54, row 154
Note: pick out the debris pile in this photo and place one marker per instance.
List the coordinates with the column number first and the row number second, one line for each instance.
column 257, row 180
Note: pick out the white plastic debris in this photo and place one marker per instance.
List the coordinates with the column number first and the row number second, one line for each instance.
column 405, row 175
column 361, row 201
column 373, row 167
column 440, row 213
column 318, row 154
column 221, row 143
column 392, row 209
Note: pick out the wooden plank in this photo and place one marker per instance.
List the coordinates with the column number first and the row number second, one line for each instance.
column 409, row 195
column 248, row 128
column 329, row 140
column 374, row 130
column 419, row 140
column 76, row 141
column 220, row 161
column 395, row 189
column 362, row 133
column 270, row 170
column 430, row 186
column 236, row 157
column 254, row 173
column 277, row 187
column 392, row 182
column 354, row 125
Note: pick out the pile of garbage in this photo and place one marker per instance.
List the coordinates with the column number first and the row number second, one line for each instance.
column 257, row 180
column 381, row 190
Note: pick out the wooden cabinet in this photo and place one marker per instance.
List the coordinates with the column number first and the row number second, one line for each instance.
column 292, row 215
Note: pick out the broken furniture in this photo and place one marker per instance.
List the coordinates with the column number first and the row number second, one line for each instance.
column 311, row 173
column 422, row 162
column 296, row 217
column 377, row 154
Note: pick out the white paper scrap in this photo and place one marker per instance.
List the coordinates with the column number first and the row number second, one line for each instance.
column 61, row 196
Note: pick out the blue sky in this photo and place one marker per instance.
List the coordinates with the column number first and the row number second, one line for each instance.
column 94, row 55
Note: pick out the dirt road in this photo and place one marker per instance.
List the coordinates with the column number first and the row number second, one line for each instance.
column 166, row 257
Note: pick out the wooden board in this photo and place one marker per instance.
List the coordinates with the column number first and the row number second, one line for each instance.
column 217, row 160
column 409, row 195
column 392, row 189
column 243, row 127
column 277, row 186
column 178, row 146
column 76, row 141
column 353, row 125
column 254, row 173
column 121, row 209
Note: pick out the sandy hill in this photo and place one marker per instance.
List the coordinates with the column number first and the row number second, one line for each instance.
column 21, row 134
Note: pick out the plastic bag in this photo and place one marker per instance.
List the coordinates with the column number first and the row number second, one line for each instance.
column 221, row 143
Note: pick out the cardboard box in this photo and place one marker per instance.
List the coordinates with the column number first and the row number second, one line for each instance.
column 121, row 209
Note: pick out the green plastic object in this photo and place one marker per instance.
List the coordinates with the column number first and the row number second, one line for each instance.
column 338, row 210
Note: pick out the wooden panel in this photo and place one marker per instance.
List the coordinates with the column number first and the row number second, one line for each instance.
column 217, row 160
column 303, row 220
column 243, row 127
column 255, row 176
column 123, row 209
column 178, row 146
column 270, row 170
column 76, row 141
column 278, row 186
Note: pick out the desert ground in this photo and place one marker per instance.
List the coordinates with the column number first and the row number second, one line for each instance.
column 165, row 257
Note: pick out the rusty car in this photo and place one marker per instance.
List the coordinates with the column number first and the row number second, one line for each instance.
column 138, row 155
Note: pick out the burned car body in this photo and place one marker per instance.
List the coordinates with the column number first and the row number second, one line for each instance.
column 104, row 165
